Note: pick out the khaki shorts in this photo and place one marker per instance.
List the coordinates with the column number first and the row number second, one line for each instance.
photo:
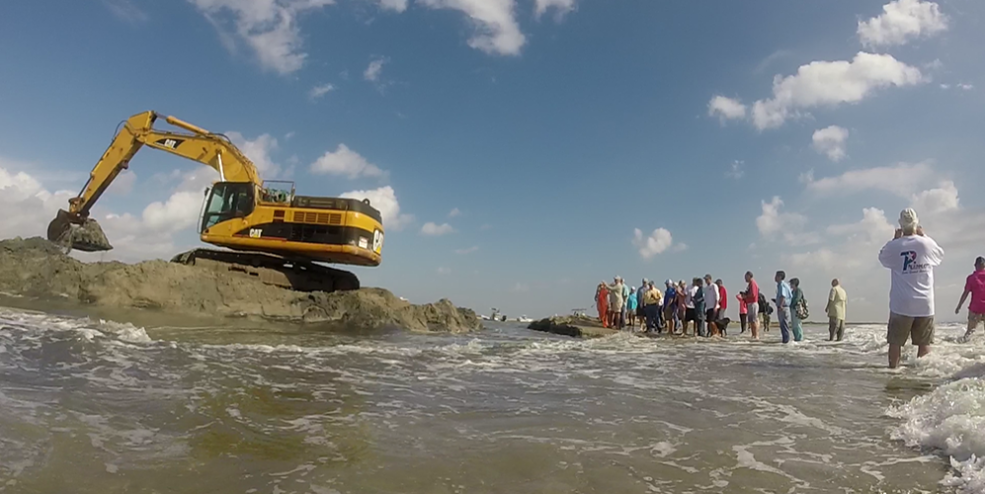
column 973, row 319
column 920, row 330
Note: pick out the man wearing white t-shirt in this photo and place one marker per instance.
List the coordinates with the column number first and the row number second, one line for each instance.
column 911, row 257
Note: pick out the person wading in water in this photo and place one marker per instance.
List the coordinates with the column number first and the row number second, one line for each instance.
column 911, row 257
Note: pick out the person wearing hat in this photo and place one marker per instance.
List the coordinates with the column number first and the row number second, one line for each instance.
column 974, row 286
column 911, row 257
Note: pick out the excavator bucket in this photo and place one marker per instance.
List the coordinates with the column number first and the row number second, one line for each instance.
column 70, row 231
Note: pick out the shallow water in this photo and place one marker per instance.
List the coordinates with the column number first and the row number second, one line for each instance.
column 94, row 407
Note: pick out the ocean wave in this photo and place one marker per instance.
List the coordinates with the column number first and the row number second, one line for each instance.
column 950, row 420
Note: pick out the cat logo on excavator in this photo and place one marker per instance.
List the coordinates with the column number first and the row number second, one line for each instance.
column 170, row 143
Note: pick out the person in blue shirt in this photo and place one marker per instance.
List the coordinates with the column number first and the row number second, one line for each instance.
column 631, row 304
column 670, row 307
column 784, row 295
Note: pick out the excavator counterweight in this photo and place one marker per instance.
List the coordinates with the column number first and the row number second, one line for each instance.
column 273, row 235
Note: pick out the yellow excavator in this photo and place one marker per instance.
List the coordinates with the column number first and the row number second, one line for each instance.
column 274, row 234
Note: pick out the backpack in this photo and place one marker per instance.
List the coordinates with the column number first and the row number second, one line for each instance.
column 764, row 306
column 801, row 309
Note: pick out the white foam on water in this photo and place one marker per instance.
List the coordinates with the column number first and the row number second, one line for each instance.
column 38, row 322
column 950, row 420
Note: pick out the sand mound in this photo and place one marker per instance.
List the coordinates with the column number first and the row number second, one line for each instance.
column 35, row 267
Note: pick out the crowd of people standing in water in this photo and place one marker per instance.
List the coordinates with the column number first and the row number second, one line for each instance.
column 699, row 308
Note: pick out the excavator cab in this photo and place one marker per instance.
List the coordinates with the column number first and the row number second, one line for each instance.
column 228, row 200
column 280, row 192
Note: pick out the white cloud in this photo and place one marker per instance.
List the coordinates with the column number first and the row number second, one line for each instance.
column 902, row 179
column 374, row 69
column 772, row 57
column 772, row 221
column 27, row 205
column 873, row 227
column 384, row 199
column 454, row 213
column 939, row 200
column 444, row 271
column 852, row 246
column 268, row 27
column 124, row 183
column 735, row 169
column 469, row 250
column 726, row 108
column 902, row 21
column 799, row 239
column 830, row 141
column 258, row 151
column 831, row 83
column 521, row 287
column 656, row 243
column 824, row 259
column 561, row 7
column 320, row 90
column 346, row 162
column 125, row 10
column 966, row 87
column 436, row 230
column 496, row 28
column 393, row 5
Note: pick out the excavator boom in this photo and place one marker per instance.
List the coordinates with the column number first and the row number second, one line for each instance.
column 197, row 144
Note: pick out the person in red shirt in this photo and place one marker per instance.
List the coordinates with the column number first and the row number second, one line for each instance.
column 751, row 298
column 602, row 302
column 974, row 286
column 722, row 296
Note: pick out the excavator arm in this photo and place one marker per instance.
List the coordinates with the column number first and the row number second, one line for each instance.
column 74, row 226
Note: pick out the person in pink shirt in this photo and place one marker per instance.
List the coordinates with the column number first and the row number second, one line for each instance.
column 974, row 286
column 743, row 311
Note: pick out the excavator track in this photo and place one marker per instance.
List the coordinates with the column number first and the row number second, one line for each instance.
column 299, row 275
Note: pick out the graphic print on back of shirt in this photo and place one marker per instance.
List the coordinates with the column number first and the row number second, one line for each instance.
column 910, row 264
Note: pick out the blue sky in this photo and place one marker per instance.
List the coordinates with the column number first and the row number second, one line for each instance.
column 553, row 128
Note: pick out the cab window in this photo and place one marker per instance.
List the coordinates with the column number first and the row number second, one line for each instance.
column 226, row 201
